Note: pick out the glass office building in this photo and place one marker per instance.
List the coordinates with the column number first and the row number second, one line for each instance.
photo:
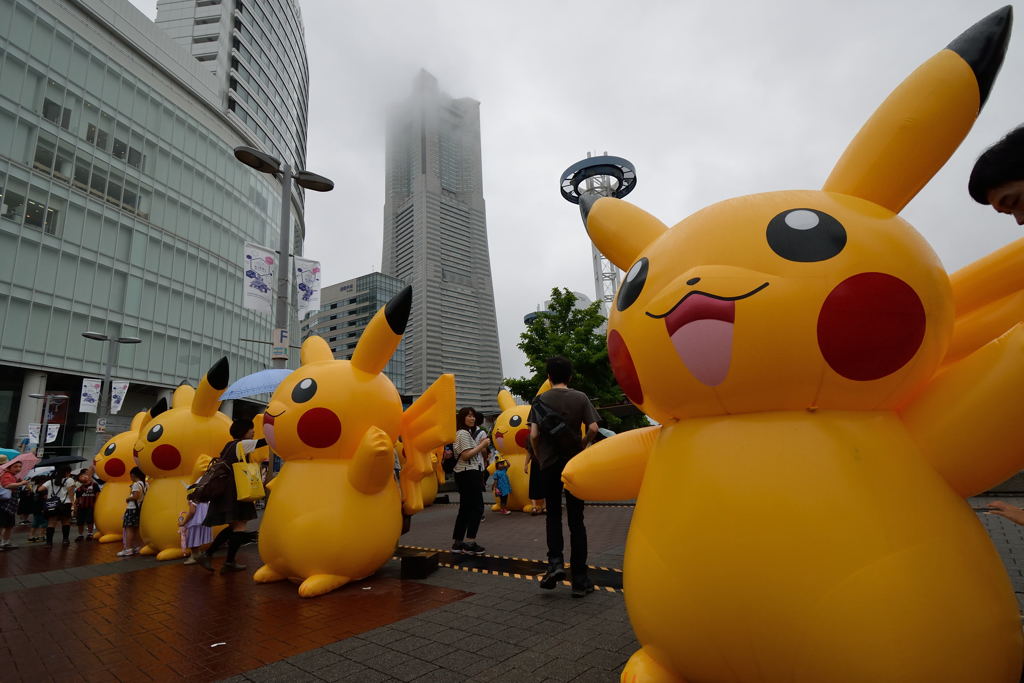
column 122, row 211
column 346, row 309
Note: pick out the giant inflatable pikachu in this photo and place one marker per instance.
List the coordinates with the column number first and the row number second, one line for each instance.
column 511, row 434
column 799, row 512
column 174, row 449
column 113, row 464
column 335, row 512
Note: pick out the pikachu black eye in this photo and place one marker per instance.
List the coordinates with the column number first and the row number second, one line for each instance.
column 806, row 235
column 632, row 285
column 515, row 421
column 155, row 433
column 109, row 450
column 304, row 390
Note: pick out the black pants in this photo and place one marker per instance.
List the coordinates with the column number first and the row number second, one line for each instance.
column 471, row 505
column 552, row 482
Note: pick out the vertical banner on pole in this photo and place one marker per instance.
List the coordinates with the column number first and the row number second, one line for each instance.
column 90, row 395
column 51, row 432
column 259, row 267
column 118, row 389
column 307, row 284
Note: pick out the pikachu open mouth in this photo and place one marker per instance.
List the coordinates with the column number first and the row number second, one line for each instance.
column 700, row 326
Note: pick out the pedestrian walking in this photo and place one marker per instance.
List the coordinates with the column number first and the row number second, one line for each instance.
column 85, row 502
column 469, row 472
column 59, row 499
column 133, row 513
column 556, row 419
column 10, row 490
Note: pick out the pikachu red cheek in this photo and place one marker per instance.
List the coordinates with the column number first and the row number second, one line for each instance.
column 870, row 326
column 113, row 469
column 166, row 457
column 623, row 367
column 319, row 428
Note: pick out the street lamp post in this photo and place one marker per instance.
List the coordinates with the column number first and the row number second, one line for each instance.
column 103, row 409
column 265, row 163
column 44, row 423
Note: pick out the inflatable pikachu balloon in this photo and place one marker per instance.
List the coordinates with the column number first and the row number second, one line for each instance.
column 174, row 449
column 511, row 434
column 335, row 513
column 113, row 464
column 800, row 512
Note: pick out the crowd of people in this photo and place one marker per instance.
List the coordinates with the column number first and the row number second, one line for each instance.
column 45, row 501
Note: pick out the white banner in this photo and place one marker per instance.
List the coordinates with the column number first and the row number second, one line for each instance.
column 260, row 270
column 307, row 286
column 118, row 389
column 90, row 395
column 51, row 432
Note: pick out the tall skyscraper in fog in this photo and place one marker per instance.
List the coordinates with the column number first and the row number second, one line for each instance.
column 435, row 239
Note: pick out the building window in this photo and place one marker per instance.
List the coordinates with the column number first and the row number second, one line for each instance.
column 56, row 113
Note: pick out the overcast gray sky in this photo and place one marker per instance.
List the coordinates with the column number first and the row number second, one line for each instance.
column 709, row 100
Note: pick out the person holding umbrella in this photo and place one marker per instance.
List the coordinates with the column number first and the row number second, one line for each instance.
column 10, row 488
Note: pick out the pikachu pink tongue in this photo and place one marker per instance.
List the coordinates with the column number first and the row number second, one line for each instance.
column 705, row 346
column 701, row 329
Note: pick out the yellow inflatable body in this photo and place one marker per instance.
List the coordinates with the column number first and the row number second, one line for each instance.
column 113, row 464
column 799, row 514
column 511, row 434
column 173, row 450
column 335, row 513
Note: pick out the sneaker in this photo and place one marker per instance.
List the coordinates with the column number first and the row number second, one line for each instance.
column 554, row 574
column 66, row 541
column 204, row 561
column 473, row 548
column 458, row 547
column 190, row 560
column 581, row 587
column 136, row 550
column 506, row 512
column 228, row 567
column 127, row 552
column 79, row 538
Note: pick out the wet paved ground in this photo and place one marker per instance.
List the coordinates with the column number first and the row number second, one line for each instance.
column 80, row 613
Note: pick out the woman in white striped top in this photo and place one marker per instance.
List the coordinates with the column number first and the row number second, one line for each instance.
column 471, row 443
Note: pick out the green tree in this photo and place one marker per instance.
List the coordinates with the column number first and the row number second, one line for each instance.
column 565, row 330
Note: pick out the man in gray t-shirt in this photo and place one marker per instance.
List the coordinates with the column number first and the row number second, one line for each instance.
column 568, row 411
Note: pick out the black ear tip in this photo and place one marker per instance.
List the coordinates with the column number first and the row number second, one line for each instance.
column 219, row 374
column 158, row 407
column 396, row 312
column 587, row 201
column 983, row 47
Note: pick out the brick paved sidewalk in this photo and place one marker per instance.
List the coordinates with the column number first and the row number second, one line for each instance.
column 80, row 613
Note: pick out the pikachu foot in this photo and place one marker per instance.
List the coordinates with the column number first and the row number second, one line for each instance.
column 147, row 550
column 109, row 538
column 318, row 584
column 642, row 668
column 170, row 554
column 496, row 507
column 266, row 575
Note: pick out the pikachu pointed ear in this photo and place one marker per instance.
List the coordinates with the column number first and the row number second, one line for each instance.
column 207, row 398
column 544, row 387
column 922, row 122
column 620, row 230
column 139, row 420
column 383, row 334
column 158, row 407
column 315, row 350
column 505, row 400
column 182, row 397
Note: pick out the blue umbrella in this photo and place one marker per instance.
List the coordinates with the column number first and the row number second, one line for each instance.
column 262, row 382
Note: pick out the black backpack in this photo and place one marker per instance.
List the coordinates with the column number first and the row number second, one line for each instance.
column 213, row 484
column 555, row 430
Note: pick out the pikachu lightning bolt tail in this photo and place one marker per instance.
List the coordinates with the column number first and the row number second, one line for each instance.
column 426, row 425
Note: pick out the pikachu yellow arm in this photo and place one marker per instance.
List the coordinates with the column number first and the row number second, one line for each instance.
column 373, row 463
column 990, row 278
column 967, row 422
column 202, row 464
column 612, row 469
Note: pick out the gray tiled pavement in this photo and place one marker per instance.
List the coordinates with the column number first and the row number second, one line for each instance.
column 512, row 631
